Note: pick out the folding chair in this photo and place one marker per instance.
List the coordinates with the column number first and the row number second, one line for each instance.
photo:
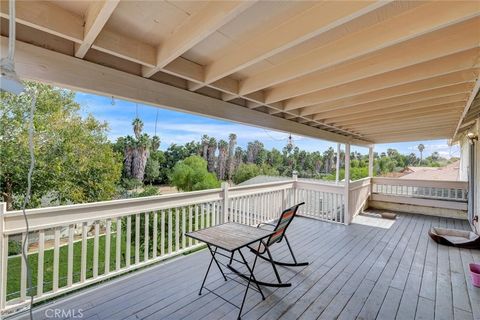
column 280, row 227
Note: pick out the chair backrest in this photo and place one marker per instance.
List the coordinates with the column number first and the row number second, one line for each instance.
column 283, row 222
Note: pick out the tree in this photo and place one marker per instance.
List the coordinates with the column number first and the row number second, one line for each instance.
column 212, row 149
column 248, row 171
column 245, row 172
column 435, row 156
column 75, row 163
column 191, row 174
column 205, row 140
column 421, row 147
column 222, row 159
column 231, row 155
column 137, row 127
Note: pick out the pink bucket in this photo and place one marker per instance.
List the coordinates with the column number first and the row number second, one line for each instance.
column 475, row 273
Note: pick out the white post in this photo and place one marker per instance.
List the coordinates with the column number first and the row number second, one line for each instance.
column 225, row 202
column 370, row 161
column 3, row 257
column 370, row 167
column 337, row 168
column 295, row 191
column 347, row 183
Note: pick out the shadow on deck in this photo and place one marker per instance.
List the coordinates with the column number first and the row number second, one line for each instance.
column 359, row 271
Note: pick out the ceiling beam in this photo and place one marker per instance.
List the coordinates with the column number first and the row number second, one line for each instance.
column 432, row 110
column 440, row 43
column 411, row 104
column 36, row 63
column 424, row 130
column 456, row 62
column 407, row 138
column 98, row 13
column 414, row 122
column 472, row 96
column 420, row 20
column 397, row 118
column 197, row 28
column 392, row 92
column 317, row 19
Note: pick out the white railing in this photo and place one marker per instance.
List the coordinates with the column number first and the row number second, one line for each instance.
column 77, row 245
column 322, row 201
column 359, row 193
column 431, row 193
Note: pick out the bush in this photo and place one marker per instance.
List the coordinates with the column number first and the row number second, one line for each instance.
column 191, row 174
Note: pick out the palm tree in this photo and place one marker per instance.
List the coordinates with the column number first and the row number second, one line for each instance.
column 222, row 159
column 155, row 143
column 212, row 148
column 137, row 127
column 205, row 140
column 231, row 155
column 421, row 147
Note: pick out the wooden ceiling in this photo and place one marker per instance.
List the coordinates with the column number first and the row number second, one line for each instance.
column 373, row 71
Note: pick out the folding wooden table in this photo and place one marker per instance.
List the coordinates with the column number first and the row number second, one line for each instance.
column 231, row 237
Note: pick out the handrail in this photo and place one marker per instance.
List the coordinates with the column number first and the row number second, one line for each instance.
column 421, row 183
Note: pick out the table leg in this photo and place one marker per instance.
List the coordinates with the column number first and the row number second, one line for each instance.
column 252, row 275
column 209, row 266
column 249, row 281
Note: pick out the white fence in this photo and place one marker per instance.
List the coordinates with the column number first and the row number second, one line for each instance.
column 431, row 193
column 77, row 245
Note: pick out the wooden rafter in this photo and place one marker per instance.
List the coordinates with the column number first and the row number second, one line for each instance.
column 198, row 27
column 393, row 92
column 443, row 42
column 97, row 15
column 420, row 20
column 456, row 62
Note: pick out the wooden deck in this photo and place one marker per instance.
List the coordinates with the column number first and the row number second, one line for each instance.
column 356, row 272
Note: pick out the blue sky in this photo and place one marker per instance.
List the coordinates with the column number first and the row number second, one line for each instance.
column 179, row 128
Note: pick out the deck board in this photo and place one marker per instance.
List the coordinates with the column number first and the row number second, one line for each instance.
column 355, row 272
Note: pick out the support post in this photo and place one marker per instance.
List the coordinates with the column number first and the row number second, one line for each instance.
column 3, row 257
column 370, row 161
column 347, row 184
column 295, row 190
column 370, row 167
column 226, row 202
column 337, row 167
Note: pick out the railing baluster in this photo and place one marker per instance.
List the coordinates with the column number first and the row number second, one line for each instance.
column 155, row 236
column 196, row 220
column 23, row 273
column 83, row 268
column 214, row 213
column 146, row 237
column 190, row 217
column 95, row 250
column 202, row 215
column 3, row 261
column 207, row 214
column 177, row 231
column 71, row 236
column 162, row 232
column 128, row 248
column 137, row 238
column 184, row 222
column 118, row 249
column 41, row 257
column 169, row 231
column 107, row 246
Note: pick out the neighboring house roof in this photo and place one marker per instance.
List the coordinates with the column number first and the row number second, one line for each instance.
column 265, row 179
column 449, row 172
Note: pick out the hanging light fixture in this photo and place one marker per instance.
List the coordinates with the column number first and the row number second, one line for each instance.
column 9, row 80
